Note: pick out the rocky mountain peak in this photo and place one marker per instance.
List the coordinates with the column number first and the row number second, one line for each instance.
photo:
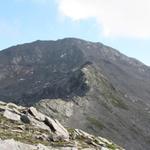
column 84, row 84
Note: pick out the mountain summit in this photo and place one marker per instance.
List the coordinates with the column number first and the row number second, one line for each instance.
column 84, row 84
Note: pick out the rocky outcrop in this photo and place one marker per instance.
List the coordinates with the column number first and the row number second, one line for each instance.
column 37, row 119
column 37, row 115
column 10, row 115
column 58, row 129
column 23, row 128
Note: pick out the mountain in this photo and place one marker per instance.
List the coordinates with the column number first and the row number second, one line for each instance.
column 84, row 84
column 23, row 128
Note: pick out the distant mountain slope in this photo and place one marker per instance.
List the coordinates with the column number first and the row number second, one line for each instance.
column 86, row 85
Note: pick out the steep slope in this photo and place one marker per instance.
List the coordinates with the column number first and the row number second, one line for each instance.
column 104, row 110
column 86, row 85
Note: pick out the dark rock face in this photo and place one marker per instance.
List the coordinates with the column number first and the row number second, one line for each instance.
column 40, row 70
column 89, row 86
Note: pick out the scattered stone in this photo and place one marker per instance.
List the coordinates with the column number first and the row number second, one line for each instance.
column 104, row 148
column 42, row 147
column 18, row 131
column 83, row 134
column 105, row 140
column 39, row 116
column 13, row 145
column 39, row 124
column 89, row 149
column 10, row 115
column 43, row 137
column 2, row 103
column 12, row 105
column 60, row 132
column 21, row 127
column 31, row 126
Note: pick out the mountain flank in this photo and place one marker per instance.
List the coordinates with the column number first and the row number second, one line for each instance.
column 84, row 85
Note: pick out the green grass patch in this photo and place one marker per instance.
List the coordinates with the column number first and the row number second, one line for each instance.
column 118, row 103
column 96, row 123
column 111, row 146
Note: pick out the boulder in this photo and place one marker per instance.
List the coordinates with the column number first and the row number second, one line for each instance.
column 104, row 148
column 25, row 119
column 81, row 133
column 42, row 147
column 60, row 132
column 13, row 145
column 12, row 105
column 42, row 137
column 37, row 115
column 11, row 115
column 2, row 103
column 39, row 124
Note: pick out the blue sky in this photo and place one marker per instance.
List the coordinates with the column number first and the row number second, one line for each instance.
column 24, row 21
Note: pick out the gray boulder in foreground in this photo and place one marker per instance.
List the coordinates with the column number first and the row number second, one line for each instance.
column 10, row 115
column 60, row 132
column 14, row 145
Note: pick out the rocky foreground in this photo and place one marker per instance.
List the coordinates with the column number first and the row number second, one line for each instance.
column 23, row 128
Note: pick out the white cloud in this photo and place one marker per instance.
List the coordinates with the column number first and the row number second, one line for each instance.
column 117, row 18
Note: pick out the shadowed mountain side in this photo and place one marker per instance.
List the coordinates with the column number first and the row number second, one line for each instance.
column 73, row 84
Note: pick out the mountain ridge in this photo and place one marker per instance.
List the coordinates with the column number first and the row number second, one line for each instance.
column 76, row 39
column 84, row 84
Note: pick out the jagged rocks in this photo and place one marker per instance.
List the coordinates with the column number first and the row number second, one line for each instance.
column 60, row 132
column 39, row 124
column 11, row 115
column 27, row 129
column 37, row 119
column 39, row 116
column 98, row 142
